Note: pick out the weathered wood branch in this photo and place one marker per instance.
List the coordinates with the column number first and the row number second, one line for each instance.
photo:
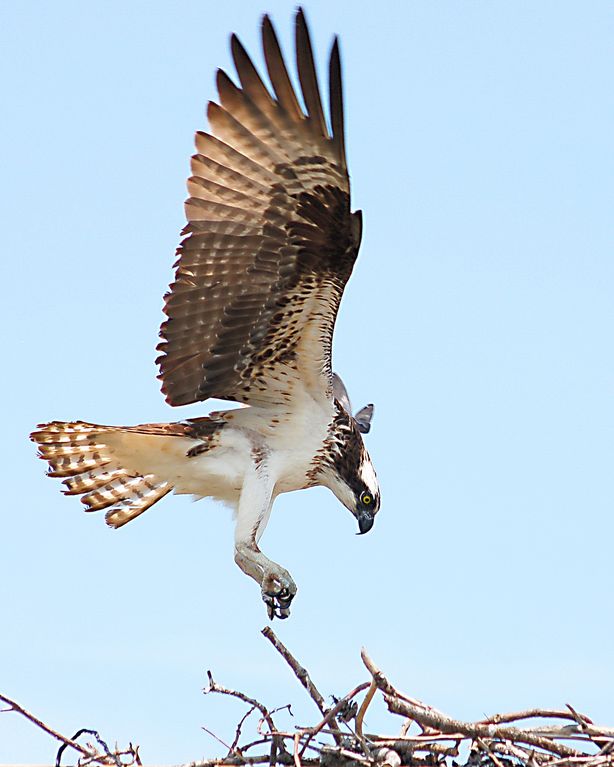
column 13, row 706
column 300, row 672
column 428, row 737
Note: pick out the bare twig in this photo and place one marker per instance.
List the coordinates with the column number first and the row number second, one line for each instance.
column 233, row 745
column 486, row 747
column 299, row 671
column 275, row 743
column 297, row 757
column 535, row 713
column 215, row 737
column 494, row 741
column 384, row 685
column 331, row 715
column 409, row 747
column 213, row 686
column 363, row 708
column 361, row 715
column 69, row 742
column 475, row 731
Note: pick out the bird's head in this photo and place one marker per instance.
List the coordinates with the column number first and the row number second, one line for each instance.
column 366, row 495
column 348, row 470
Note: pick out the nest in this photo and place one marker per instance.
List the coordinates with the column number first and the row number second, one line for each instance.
column 426, row 738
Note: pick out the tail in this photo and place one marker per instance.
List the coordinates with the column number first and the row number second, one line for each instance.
column 92, row 460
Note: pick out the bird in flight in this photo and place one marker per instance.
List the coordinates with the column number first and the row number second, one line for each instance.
column 269, row 246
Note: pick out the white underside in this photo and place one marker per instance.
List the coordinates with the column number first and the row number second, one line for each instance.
column 285, row 445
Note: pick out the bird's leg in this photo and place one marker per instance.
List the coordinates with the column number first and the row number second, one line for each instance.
column 277, row 586
column 276, row 583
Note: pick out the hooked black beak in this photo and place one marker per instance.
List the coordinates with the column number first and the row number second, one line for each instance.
column 365, row 521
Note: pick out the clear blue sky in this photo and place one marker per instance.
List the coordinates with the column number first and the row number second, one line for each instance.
column 479, row 320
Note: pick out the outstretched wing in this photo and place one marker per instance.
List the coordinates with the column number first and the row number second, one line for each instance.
column 270, row 242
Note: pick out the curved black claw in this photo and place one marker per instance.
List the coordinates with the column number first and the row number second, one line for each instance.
column 278, row 600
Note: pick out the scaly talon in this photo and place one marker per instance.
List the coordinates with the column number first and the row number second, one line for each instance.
column 278, row 591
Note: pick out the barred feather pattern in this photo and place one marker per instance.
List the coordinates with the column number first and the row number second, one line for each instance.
column 77, row 453
column 270, row 241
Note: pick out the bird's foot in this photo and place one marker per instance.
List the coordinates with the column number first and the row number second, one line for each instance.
column 278, row 591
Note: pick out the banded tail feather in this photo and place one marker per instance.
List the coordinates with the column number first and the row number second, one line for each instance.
column 87, row 458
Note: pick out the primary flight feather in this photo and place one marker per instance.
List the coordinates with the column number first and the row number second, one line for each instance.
column 269, row 246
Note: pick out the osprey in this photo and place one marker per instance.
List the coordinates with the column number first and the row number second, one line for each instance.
column 269, row 246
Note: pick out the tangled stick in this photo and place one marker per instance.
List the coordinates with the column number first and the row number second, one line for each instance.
column 90, row 755
column 496, row 741
column 338, row 738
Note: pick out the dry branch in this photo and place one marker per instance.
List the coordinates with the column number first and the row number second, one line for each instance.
column 16, row 708
column 428, row 737
column 492, row 741
column 99, row 755
column 301, row 673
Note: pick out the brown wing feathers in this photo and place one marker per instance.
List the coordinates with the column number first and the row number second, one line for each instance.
column 307, row 76
column 278, row 74
column 336, row 104
column 270, row 237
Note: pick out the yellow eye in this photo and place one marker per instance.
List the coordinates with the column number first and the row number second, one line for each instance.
column 367, row 499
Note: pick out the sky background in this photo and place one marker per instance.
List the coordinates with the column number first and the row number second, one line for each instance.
column 479, row 321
